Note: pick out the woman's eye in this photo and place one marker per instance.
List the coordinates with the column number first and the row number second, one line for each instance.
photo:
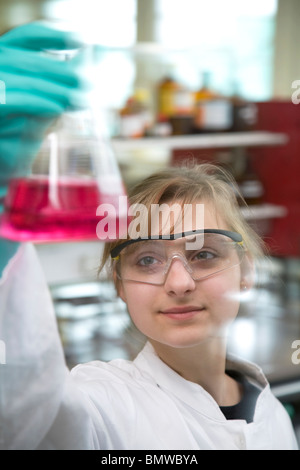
column 204, row 255
column 147, row 261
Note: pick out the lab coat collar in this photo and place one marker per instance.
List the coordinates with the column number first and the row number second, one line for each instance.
column 191, row 393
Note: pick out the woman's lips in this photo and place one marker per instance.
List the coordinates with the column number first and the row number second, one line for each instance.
column 182, row 313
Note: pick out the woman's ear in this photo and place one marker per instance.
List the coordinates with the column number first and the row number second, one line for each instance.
column 247, row 272
column 119, row 287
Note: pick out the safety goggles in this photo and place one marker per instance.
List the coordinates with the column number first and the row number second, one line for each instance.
column 203, row 253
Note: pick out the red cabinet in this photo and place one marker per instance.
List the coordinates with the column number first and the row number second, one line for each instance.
column 279, row 170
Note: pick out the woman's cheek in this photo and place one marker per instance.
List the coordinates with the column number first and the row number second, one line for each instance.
column 138, row 302
column 223, row 296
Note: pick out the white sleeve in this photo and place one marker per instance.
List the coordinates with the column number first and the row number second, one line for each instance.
column 40, row 406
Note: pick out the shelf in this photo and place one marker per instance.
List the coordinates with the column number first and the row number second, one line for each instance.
column 264, row 211
column 233, row 139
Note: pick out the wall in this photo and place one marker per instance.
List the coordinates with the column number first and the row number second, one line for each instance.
column 287, row 40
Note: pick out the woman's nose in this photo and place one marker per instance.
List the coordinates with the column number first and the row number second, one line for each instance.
column 178, row 279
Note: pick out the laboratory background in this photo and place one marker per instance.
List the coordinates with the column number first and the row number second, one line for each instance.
column 215, row 81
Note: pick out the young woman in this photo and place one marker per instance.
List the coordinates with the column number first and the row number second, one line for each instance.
column 182, row 270
column 182, row 279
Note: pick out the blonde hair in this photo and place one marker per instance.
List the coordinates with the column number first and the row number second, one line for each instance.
column 192, row 183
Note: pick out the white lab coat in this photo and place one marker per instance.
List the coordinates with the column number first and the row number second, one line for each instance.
column 117, row 405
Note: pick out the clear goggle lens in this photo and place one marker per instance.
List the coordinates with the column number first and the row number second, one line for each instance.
column 202, row 255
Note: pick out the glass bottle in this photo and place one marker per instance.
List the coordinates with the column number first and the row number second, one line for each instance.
column 212, row 110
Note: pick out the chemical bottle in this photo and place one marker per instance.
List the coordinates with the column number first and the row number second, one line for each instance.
column 212, row 111
column 166, row 98
column 244, row 113
column 135, row 117
column 175, row 105
column 250, row 185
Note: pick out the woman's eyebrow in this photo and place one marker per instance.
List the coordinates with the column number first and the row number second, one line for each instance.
column 134, row 247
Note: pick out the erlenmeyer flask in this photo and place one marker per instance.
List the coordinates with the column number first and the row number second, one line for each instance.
column 75, row 190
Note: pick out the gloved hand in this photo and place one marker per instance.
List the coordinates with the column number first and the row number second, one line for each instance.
column 38, row 88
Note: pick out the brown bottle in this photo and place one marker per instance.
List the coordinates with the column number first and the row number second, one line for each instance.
column 250, row 185
column 175, row 105
column 244, row 113
column 166, row 98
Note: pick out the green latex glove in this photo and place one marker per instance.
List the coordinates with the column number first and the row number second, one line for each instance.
column 38, row 88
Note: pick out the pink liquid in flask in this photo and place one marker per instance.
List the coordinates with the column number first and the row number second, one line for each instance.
column 29, row 214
